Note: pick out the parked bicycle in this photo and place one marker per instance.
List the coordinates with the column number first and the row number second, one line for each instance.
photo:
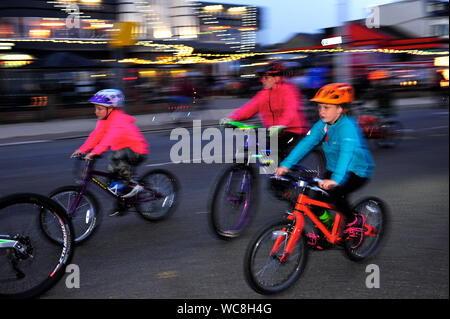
column 234, row 198
column 277, row 255
column 30, row 263
column 385, row 131
column 156, row 202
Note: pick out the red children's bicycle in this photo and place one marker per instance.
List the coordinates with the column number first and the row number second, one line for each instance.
column 276, row 257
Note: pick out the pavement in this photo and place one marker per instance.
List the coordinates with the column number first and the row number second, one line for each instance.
column 209, row 114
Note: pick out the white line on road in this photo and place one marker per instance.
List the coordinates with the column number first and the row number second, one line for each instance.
column 432, row 128
column 23, row 143
column 160, row 164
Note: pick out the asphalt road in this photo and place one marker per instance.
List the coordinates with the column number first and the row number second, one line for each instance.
column 180, row 258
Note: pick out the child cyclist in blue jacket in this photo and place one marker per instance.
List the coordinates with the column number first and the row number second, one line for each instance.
column 349, row 161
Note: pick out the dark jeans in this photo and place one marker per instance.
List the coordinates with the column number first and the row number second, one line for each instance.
column 339, row 194
column 123, row 163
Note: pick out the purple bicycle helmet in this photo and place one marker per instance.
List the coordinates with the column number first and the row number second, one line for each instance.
column 108, row 98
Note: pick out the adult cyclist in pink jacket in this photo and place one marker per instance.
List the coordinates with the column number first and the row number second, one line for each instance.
column 280, row 108
column 116, row 131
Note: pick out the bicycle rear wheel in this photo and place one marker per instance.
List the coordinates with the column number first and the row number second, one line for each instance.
column 264, row 271
column 85, row 218
column 35, row 263
column 160, row 196
column 233, row 201
column 375, row 213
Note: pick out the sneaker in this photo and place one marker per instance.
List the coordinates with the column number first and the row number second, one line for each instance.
column 355, row 230
column 136, row 189
column 316, row 241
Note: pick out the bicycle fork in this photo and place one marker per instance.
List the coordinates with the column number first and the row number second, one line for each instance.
column 289, row 243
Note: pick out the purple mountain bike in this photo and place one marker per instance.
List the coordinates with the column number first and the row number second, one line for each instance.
column 234, row 197
column 156, row 202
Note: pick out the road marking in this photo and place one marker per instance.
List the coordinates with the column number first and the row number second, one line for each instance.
column 167, row 274
column 24, row 143
column 432, row 128
column 167, row 163
column 159, row 164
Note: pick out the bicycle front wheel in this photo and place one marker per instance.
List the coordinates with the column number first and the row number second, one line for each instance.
column 82, row 210
column 233, row 201
column 265, row 270
column 160, row 196
column 30, row 263
column 375, row 213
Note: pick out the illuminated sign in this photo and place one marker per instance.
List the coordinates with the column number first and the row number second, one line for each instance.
column 331, row 41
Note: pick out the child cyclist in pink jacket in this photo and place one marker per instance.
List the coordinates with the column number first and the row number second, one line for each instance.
column 279, row 105
column 116, row 130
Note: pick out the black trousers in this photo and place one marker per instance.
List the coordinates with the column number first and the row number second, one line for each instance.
column 123, row 163
column 339, row 194
column 286, row 142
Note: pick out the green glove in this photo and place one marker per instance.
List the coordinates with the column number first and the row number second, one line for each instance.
column 225, row 121
column 276, row 129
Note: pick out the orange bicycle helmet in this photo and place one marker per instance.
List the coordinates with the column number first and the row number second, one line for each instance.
column 335, row 93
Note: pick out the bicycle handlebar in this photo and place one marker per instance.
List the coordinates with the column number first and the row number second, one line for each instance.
column 82, row 157
column 241, row 125
column 310, row 182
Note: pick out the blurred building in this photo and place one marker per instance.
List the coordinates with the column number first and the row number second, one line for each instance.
column 233, row 27
column 74, row 46
column 228, row 27
column 419, row 18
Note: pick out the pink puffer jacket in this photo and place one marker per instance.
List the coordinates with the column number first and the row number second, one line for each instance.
column 280, row 105
column 117, row 132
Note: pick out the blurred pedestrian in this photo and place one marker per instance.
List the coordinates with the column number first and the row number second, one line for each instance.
column 382, row 92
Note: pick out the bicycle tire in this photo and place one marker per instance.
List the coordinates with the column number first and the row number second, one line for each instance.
column 258, row 252
column 61, row 256
column 376, row 215
column 87, row 217
column 227, row 220
column 166, row 184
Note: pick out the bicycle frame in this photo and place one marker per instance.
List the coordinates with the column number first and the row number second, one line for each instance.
column 300, row 210
column 7, row 242
column 251, row 153
column 89, row 176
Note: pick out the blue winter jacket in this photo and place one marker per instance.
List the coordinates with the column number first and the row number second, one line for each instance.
column 344, row 145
